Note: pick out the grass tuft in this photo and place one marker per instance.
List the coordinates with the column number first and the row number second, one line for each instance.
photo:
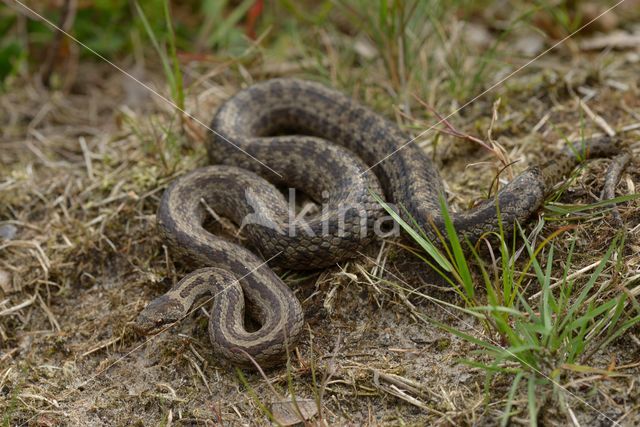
column 538, row 345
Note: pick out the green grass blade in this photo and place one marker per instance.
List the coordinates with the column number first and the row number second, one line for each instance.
column 592, row 280
column 178, row 83
column 225, row 25
column 159, row 50
column 531, row 397
column 470, row 338
column 458, row 254
column 428, row 247
column 499, row 309
column 565, row 209
column 621, row 330
column 545, row 309
column 255, row 397
column 510, row 398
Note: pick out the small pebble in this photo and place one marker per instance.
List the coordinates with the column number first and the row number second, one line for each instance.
column 5, row 281
column 8, row 231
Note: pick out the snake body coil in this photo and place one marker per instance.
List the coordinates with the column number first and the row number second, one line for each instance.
column 318, row 141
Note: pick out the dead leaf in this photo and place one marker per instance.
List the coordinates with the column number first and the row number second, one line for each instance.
column 286, row 414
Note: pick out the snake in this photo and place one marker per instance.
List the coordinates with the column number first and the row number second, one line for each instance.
column 301, row 134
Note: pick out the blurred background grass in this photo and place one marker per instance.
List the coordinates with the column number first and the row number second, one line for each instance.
column 394, row 35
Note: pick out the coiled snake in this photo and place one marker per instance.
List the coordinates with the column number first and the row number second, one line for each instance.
column 318, row 141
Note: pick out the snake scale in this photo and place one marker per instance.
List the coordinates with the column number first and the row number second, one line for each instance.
column 317, row 140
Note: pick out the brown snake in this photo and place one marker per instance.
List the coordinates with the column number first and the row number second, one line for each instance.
column 318, row 141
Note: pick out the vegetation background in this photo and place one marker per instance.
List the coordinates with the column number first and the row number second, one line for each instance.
column 542, row 329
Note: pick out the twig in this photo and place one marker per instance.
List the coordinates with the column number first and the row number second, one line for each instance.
column 66, row 21
column 612, row 177
column 566, row 279
column 102, row 345
column 451, row 130
column 18, row 307
column 598, row 120
column 87, row 157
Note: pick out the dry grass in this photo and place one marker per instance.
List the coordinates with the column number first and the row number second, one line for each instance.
column 81, row 173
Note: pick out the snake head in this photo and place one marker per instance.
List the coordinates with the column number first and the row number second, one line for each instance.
column 158, row 313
